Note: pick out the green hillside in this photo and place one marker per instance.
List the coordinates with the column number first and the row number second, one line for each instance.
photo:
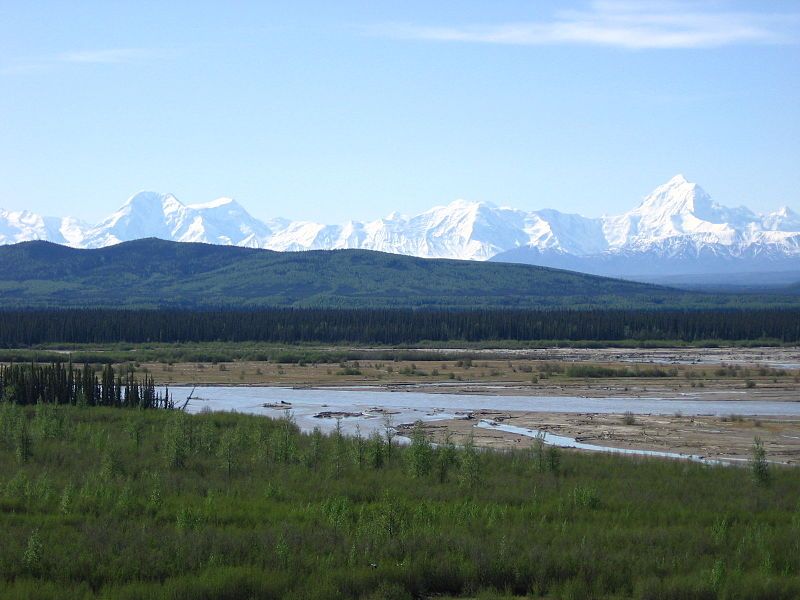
column 157, row 273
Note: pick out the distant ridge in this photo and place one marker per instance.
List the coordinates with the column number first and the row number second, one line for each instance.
column 158, row 273
column 677, row 230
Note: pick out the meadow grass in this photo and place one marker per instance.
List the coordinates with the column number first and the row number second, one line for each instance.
column 119, row 503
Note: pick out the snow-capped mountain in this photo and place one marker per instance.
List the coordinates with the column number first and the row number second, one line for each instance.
column 22, row 226
column 677, row 229
column 149, row 214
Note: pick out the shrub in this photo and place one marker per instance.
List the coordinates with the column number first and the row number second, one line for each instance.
column 376, row 450
column 758, row 463
column 176, row 441
column 445, row 458
column 469, row 472
column 32, row 557
column 134, row 427
column 539, row 451
column 585, row 497
column 23, row 442
column 314, row 452
column 553, row 459
column 230, row 446
column 420, row 453
column 349, row 371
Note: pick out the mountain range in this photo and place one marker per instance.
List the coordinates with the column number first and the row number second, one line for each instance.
column 675, row 232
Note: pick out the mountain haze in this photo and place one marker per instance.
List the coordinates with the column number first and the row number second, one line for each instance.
column 677, row 230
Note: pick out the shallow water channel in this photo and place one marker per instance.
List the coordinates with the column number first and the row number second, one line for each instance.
column 563, row 441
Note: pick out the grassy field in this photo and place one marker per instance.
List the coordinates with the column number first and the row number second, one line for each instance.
column 115, row 503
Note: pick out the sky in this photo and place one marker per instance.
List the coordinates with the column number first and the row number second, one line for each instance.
column 331, row 111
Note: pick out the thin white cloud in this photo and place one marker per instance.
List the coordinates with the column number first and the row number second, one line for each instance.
column 623, row 24
column 108, row 56
column 104, row 56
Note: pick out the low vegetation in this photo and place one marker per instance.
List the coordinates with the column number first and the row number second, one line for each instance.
column 125, row 503
column 604, row 371
column 316, row 353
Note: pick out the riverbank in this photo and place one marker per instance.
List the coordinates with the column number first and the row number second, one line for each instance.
column 724, row 438
column 716, row 428
column 768, row 374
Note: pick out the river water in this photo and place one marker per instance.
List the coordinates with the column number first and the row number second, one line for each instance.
column 370, row 406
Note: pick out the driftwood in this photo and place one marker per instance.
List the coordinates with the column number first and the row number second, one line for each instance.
column 282, row 405
column 335, row 414
column 189, row 397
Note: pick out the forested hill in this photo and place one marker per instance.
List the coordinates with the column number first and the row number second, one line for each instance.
column 156, row 273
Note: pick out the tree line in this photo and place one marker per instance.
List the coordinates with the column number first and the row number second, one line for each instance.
column 391, row 326
column 65, row 384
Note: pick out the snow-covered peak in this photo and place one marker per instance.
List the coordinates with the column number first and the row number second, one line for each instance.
column 16, row 226
column 394, row 217
column 151, row 201
column 678, row 179
column 152, row 214
column 218, row 203
column 22, row 226
column 455, row 210
column 783, row 219
column 145, row 214
column 676, row 196
column 675, row 209
column 462, row 204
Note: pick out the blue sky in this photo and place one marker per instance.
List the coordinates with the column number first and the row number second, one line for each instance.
column 336, row 110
